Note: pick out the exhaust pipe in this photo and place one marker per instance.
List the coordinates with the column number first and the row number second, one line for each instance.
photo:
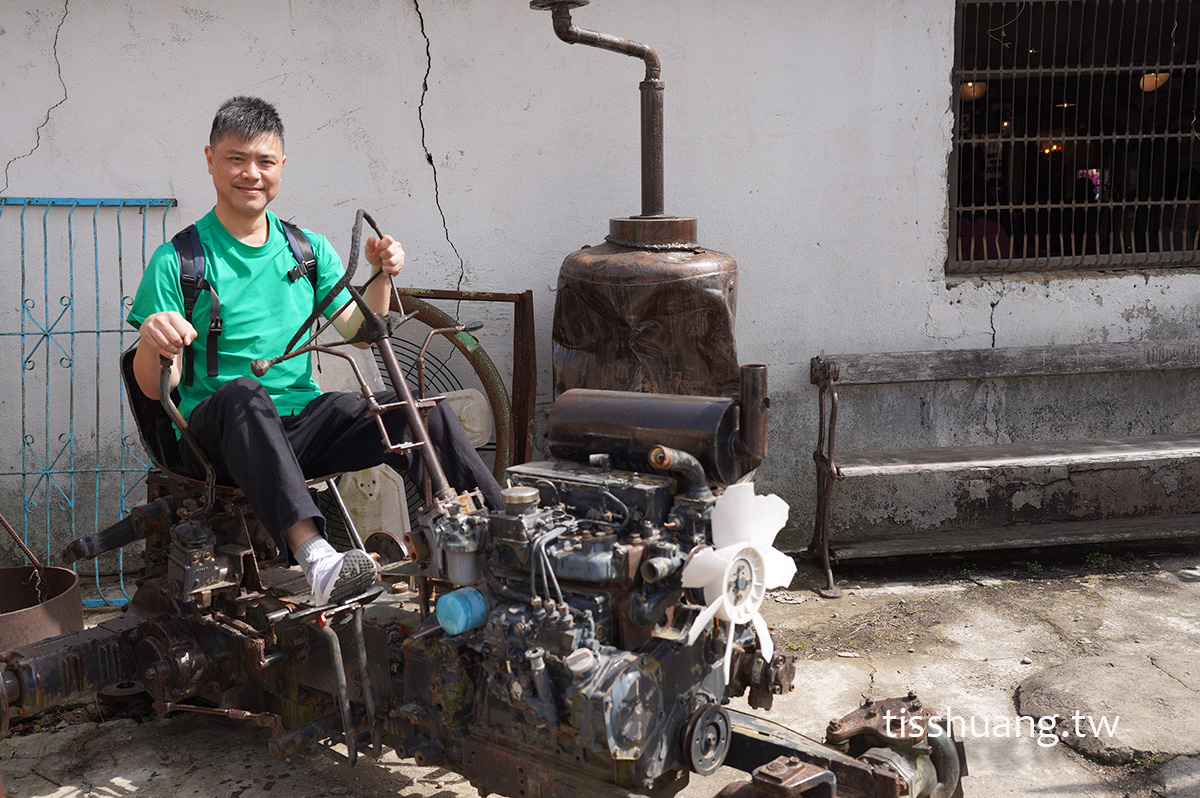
column 751, row 438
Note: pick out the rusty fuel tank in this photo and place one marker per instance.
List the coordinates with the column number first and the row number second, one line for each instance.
column 648, row 310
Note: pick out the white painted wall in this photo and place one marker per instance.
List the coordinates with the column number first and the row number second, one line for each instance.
column 810, row 138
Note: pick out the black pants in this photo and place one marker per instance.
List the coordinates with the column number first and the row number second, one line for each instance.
column 269, row 457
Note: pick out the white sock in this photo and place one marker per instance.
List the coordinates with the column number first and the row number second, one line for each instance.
column 333, row 576
column 310, row 551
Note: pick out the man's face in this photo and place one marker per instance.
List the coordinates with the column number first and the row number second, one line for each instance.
column 246, row 172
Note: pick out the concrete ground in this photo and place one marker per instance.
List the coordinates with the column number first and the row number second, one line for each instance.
column 1095, row 637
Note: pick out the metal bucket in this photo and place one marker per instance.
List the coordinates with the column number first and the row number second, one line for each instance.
column 27, row 615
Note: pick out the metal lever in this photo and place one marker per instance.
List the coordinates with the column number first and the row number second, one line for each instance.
column 164, row 397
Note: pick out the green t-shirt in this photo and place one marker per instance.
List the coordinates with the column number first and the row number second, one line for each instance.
column 261, row 309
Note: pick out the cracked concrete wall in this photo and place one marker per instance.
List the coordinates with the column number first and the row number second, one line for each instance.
column 810, row 138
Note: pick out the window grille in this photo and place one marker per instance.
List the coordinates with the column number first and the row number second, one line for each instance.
column 1076, row 143
column 70, row 459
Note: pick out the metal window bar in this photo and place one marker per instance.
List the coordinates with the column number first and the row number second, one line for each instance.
column 1076, row 143
column 78, row 458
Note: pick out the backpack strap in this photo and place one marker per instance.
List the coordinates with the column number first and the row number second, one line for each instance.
column 302, row 251
column 192, row 282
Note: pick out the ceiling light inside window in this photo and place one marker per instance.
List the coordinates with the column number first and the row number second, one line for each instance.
column 1152, row 80
column 972, row 90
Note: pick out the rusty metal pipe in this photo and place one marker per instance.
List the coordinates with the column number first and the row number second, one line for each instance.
column 651, row 98
column 752, row 424
column 433, row 467
column 653, row 203
column 376, row 746
column 20, row 543
column 571, row 33
column 349, row 737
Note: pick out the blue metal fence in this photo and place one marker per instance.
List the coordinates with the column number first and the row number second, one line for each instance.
column 78, row 465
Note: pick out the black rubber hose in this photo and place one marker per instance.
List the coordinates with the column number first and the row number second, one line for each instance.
column 685, row 466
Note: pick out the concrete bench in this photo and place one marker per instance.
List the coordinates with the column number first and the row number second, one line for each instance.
column 830, row 372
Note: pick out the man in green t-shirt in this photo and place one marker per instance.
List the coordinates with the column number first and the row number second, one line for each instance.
column 267, row 434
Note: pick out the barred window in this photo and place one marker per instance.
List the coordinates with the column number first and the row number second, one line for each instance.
column 1076, row 142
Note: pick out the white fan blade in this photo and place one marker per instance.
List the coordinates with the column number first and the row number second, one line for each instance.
column 729, row 634
column 703, row 567
column 733, row 515
column 743, row 525
column 779, row 569
column 770, row 514
column 766, row 646
column 703, row 620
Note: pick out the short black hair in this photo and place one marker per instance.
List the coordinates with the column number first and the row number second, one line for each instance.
column 245, row 117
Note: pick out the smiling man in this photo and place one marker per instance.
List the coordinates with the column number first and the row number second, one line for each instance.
column 266, row 435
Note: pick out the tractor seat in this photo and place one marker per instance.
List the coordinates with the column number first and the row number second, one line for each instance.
column 158, row 435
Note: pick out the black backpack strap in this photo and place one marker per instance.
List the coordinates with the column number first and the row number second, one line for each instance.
column 302, row 251
column 191, row 282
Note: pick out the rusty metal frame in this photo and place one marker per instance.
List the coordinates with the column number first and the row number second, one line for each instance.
column 524, row 374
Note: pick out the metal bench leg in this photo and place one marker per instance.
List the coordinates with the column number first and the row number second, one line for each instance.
column 824, row 374
column 820, row 540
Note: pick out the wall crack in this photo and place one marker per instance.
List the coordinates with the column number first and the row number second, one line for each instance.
column 38, row 133
column 992, row 320
column 437, row 199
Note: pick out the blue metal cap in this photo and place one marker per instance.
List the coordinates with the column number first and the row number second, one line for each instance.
column 462, row 610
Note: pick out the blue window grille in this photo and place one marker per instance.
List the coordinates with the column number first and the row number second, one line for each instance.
column 72, row 460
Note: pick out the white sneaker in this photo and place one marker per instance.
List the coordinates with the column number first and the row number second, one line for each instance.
column 340, row 576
